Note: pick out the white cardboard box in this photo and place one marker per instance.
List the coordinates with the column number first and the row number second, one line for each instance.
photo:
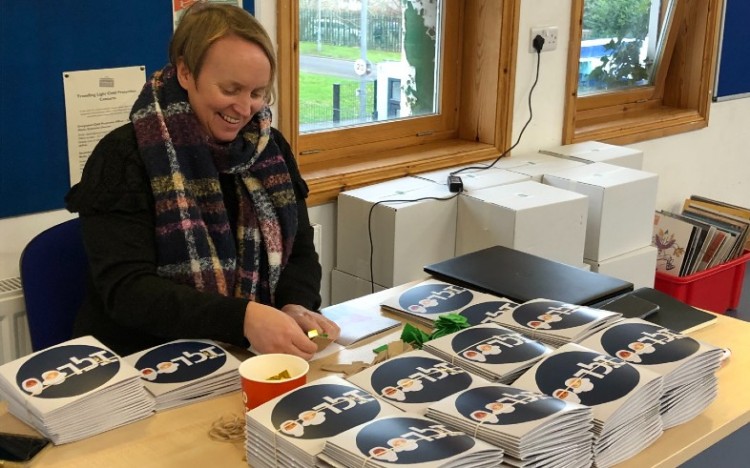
column 528, row 216
column 537, row 170
column 621, row 206
column 596, row 151
column 406, row 236
column 637, row 266
column 475, row 179
column 345, row 287
column 521, row 159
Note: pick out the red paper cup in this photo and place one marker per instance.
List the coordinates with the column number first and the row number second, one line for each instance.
column 255, row 372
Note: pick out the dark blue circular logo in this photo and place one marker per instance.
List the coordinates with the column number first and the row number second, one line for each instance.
column 501, row 404
column 405, row 440
column 646, row 343
column 487, row 311
column 418, row 379
column 67, row 371
column 182, row 361
column 437, row 298
column 555, row 315
column 321, row 411
column 586, row 377
column 495, row 345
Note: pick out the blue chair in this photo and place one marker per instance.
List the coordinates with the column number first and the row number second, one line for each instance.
column 54, row 270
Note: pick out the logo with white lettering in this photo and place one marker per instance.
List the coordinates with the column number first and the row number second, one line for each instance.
column 418, row 379
column 555, row 315
column 67, row 371
column 320, row 411
column 495, row 345
column 405, row 440
column 487, row 312
column 586, row 377
column 500, row 404
column 435, row 298
column 180, row 362
column 645, row 343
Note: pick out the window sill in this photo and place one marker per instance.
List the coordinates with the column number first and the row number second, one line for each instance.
column 641, row 126
column 326, row 179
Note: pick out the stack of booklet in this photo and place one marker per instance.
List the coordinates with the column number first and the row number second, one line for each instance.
column 491, row 351
column 186, row 371
column 74, row 390
column 409, row 440
column 426, row 301
column 291, row 429
column 556, row 322
column 532, row 429
column 414, row 380
column 687, row 366
column 624, row 398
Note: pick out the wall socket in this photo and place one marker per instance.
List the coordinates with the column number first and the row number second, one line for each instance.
column 549, row 33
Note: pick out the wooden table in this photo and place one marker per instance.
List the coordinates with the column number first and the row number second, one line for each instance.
column 179, row 437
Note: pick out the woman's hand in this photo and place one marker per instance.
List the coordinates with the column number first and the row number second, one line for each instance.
column 309, row 320
column 270, row 330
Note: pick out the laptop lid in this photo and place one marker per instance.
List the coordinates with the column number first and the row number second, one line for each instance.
column 520, row 276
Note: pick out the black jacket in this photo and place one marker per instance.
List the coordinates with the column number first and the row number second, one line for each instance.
column 129, row 307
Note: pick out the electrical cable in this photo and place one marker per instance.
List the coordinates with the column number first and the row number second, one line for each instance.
column 518, row 140
column 454, row 182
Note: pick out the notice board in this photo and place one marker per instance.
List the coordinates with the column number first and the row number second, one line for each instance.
column 39, row 40
column 733, row 67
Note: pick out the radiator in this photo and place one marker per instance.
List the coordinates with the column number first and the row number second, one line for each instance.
column 14, row 328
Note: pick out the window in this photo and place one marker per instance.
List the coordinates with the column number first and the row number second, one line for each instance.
column 368, row 62
column 620, row 43
column 393, row 133
column 655, row 78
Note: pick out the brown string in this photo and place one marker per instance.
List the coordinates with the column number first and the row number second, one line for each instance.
column 227, row 428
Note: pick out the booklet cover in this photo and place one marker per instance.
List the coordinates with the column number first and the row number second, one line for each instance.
column 491, row 351
column 185, row 371
column 291, row 429
column 687, row 366
column 556, row 322
column 74, row 390
column 532, row 428
column 624, row 398
column 410, row 440
column 427, row 300
column 414, row 380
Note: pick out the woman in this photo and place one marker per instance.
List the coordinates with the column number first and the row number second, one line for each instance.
column 194, row 214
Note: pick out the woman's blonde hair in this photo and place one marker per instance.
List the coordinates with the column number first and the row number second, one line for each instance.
column 205, row 23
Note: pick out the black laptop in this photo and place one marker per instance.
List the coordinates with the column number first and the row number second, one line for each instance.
column 520, row 276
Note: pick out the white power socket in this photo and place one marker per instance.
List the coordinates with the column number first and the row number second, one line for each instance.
column 549, row 33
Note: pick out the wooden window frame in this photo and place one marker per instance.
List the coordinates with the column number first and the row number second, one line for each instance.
column 679, row 100
column 475, row 123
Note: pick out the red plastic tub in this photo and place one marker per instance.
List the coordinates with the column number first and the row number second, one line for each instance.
column 717, row 289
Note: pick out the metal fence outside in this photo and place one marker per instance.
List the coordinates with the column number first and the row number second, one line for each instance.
column 343, row 111
column 342, row 28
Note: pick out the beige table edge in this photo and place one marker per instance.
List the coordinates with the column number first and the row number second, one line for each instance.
column 179, row 437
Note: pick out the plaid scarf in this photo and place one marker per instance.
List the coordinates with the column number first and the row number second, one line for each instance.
column 195, row 243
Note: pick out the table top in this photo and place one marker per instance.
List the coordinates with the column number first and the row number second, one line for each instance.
column 179, row 437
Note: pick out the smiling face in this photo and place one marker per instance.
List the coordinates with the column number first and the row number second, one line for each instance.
column 230, row 88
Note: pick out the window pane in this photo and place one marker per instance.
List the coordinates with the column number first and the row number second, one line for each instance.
column 619, row 44
column 367, row 61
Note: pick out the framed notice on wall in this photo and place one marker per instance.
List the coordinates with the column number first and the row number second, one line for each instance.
column 96, row 102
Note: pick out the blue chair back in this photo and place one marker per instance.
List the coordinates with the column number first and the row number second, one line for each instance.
column 54, row 270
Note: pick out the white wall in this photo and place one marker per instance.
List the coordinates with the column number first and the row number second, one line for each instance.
column 714, row 161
